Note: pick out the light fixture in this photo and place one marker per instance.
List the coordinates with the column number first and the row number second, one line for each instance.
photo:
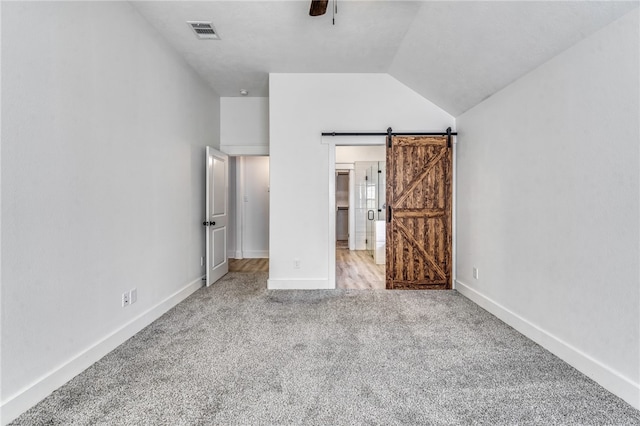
column 244, row 92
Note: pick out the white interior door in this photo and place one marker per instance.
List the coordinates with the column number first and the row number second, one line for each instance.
column 217, row 200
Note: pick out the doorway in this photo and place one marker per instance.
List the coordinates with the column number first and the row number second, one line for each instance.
column 360, row 217
column 428, row 156
column 249, row 212
column 342, row 208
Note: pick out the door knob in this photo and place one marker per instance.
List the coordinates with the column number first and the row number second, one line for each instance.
column 205, row 223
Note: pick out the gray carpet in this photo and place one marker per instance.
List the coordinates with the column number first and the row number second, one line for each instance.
column 237, row 354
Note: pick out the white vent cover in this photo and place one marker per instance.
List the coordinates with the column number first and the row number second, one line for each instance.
column 204, row 30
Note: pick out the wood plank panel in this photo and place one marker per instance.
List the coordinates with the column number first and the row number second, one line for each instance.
column 417, row 141
column 420, row 213
column 419, row 185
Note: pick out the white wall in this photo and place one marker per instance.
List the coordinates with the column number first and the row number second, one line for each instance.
column 232, row 234
column 255, row 232
column 244, row 126
column 102, row 186
column 301, row 107
column 351, row 154
column 548, row 206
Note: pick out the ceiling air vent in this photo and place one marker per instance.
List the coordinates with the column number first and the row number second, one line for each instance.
column 204, row 30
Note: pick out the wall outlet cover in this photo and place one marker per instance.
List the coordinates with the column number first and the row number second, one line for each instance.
column 125, row 299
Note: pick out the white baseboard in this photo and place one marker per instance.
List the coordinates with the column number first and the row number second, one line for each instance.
column 297, row 284
column 608, row 378
column 29, row 396
column 231, row 254
column 255, row 254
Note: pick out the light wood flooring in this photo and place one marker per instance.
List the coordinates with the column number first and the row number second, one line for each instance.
column 249, row 265
column 355, row 269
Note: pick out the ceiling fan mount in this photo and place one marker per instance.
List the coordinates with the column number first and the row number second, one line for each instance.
column 318, row 7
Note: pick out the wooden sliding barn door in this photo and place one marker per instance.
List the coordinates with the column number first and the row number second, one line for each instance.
column 419, row 185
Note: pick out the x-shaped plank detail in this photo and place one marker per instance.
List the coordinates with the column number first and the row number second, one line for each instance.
column 407, row 235
column 418, row 179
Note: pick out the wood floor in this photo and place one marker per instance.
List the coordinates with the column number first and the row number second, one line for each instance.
column 355, row 269
column 249, row 265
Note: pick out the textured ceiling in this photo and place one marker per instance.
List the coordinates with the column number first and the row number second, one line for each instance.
column 454, row 53
column 457, row 54
column 280, row 36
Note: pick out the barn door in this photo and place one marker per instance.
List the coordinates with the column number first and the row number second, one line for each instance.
column 419, row 175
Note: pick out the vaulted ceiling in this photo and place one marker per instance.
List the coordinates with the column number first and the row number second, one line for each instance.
column 454, row 53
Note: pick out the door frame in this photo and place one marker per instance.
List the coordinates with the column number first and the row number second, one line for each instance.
column 352, row 189
column 332, row 142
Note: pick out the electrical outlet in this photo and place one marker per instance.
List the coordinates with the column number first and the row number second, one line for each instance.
column 296, row 263
column 125, row 299
column 475, row 273
column 133, row 295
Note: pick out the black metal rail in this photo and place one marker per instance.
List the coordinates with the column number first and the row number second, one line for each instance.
column 390, row 133
column 446, row 133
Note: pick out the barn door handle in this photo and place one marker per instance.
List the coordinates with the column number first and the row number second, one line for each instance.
column 370, row 216
column 389, row 215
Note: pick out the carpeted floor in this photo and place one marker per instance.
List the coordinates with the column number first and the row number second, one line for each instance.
column 237, row 354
